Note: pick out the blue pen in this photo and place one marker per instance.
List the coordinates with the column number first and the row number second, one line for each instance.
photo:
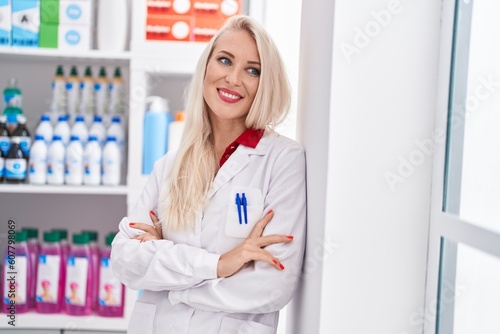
column 244, row 202
column 238, row 203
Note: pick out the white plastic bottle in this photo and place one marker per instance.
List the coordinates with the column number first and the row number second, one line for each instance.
column 112, row 25
column 79, row 129
column 175, row 130
column 74, row 162
column 98, row 129
column 101, row 91
column 55, row 161
column 92, row 160
column 45, row 129
column 116, row 130
column 62, row 129
column 73, row 91
column 111, row 162
column 38, row 161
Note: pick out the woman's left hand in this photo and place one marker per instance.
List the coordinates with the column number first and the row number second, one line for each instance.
column 153, row 232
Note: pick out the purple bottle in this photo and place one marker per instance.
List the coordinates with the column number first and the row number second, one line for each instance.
column 111, row 290
column 94, row 254
column 79, row 277
column 50, row 279
column 16, row 275
column 34, row 250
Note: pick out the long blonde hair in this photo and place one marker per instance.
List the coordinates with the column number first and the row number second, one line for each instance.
column 195, row 165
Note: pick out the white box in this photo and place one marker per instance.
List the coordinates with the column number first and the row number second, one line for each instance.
column 76, row 12
column 5, row 23
column 74, row 37
column 25, row 23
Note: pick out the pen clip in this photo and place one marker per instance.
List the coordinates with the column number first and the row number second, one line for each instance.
column 244, row 203
column 238, row 204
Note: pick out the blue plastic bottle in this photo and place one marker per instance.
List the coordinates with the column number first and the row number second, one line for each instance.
column 16, row 275
column 33, row 251
column 79, row 277
column 50, row 277
column 156, row 122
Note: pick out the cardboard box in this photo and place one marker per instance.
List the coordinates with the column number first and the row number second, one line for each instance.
column 169, row 7
column 74, row 37
column 5, row 23
column 25, row 22
column 169, row 28
column 67, row 11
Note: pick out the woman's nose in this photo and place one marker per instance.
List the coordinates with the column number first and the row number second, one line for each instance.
column 233, row 77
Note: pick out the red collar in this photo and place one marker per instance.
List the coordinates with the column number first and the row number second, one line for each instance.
column 250, row 138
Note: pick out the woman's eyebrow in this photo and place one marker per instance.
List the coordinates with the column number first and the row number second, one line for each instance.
column 232, row 56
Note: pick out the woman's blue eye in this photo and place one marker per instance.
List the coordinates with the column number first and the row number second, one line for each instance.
column 254, row 71
column 225, row 61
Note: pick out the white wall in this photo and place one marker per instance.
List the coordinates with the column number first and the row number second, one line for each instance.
column 366, row 117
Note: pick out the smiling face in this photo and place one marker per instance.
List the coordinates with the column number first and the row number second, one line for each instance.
column 232, row 77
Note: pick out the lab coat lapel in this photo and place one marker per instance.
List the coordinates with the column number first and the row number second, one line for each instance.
column 237, row 161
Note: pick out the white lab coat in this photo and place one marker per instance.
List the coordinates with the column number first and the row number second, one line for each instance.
column 182, row 294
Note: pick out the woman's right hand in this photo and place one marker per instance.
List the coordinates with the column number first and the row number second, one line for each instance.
column 251, row 250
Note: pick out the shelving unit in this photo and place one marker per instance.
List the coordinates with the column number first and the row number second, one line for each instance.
column 149, row 68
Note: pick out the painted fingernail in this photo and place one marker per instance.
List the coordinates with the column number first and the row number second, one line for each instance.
column 131, row 224
column 152, row 213
column 290, row 237
column 275, row 262
column 270, row 211
column 282, row 267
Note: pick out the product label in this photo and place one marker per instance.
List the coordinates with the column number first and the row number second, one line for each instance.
column 110, row 288
column 101, row 90
column 76, row 280
column 86, row 95
column 12, row 100
column 15, row 169
column 58, row 96
column 5, row 144
column 55, row 170
column 47, row 285
column 25, row 145
column 15, row 281
column 2, row 167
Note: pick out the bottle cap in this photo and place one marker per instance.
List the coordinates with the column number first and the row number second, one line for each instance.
column 110, row 237
column 88, row 71
column 60, row 70
column 74, row 138
column 179, row 116
column 32, row 232
column 157, row 104
column 92, row 234
column 92, row 138
column 118, row 72
column 62, row 118
column 63, row 233
column 115, row 119
column 74, row 71
column 51, row 236
column 45, row 118
column 39, row 137
column 80, row 118
column 56, row 137
column 97, row 118
column 80, row 239
column 21, row 236
column 111, row 138
column 102, row 72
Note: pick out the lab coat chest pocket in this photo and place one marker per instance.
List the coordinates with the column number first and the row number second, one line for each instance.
column 245, row 206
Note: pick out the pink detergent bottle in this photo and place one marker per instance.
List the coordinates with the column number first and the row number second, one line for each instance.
column 63, row 242
column 111, row 290
column 94, row 255
column 16, row 275
column 33, row 249
column 50, row 279
column 79, row 277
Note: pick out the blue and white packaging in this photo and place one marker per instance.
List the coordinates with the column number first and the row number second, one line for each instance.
column 75, row 12
column 74, row 37
column 5, row 23
column 25, row 23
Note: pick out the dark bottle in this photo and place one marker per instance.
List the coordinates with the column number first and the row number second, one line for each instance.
column 4, row 135
column 22, row 132
column 15, row 163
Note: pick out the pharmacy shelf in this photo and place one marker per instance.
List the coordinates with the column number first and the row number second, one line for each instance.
column 39, row 321
column 18, row 53
column 63, row 189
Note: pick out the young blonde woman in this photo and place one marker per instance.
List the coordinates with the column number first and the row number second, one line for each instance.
column 216, row 240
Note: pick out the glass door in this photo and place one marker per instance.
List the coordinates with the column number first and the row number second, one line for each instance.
column 463, row 290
